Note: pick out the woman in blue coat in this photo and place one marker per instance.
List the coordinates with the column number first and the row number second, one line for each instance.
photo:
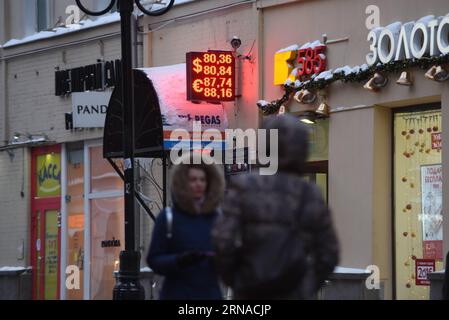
column 181, row 248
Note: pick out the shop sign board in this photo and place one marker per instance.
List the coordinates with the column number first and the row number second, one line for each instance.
column 89, row 109
column 299, row 62
column 48, row 175
column 429, row 36
column 88, row 78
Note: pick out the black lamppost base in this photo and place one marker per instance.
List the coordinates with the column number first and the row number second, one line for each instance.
column 128, row 286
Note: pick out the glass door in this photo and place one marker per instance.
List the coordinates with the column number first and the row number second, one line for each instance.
column 46, row 225
column 46, row 222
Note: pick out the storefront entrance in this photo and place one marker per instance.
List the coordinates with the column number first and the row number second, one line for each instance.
column 45, row 222
column 417, row 225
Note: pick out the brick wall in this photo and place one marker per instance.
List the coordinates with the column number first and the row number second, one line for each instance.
column 14, row 217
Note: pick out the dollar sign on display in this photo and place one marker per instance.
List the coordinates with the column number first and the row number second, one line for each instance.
column 197, row 63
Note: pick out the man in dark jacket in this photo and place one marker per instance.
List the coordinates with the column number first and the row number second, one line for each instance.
column 181, row 247
column 268, row 220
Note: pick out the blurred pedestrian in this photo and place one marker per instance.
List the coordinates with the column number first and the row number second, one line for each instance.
column 181, row 248
column 276, row 239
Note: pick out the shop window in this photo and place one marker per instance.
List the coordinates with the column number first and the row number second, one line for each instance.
column 103, row 177
column 102, row 4
column 43, row 15
column 107, row 236
column 75, row 216
column 316, row 170
column 417, row 200
column 106, row 205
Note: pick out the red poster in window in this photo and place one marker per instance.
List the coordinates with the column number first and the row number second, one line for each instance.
column 433, row 249
column 211, row 76
column 436, row 140
column 422, row 268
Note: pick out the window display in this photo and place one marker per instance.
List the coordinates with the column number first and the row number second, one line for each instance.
column 417, row 200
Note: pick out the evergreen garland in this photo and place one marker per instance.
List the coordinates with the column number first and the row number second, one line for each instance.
column 361, row 76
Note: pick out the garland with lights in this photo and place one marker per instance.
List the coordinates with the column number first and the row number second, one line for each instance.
column 361, row 76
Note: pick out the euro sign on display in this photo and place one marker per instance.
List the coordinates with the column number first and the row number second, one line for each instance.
column 211, row 76
column 197, row 85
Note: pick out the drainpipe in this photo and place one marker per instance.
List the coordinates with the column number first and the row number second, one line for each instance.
column 3, row 111
column 260, row 52
column 135, row 43
column 3, row 94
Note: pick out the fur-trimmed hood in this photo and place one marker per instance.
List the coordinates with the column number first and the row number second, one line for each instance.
column 181, row 196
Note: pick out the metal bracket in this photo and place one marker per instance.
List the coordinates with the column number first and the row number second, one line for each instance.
column 137, row 196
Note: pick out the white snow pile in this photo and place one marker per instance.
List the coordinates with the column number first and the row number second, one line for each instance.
column 329, row 74
column 170, row 84
column 146, row 269
column 347, row 70
column 293, row 47
column 312, row 45
column 298, row 83
column 82, row 25
column 262, row 103
column 326, row 75
column 288, row 82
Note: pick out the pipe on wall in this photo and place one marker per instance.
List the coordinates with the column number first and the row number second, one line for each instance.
column 3, row 97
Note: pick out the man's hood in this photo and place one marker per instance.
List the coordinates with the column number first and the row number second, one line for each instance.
column 293, row 143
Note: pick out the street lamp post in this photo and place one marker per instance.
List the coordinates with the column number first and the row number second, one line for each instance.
column 128, row 286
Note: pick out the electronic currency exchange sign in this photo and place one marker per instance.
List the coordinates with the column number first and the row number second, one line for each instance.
column 211, row 76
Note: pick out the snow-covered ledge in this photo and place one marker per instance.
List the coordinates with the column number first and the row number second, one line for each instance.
column 4, row 271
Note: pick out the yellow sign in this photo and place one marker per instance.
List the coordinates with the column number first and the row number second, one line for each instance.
column 283, row 66
column 299, row 63
column 48, row 171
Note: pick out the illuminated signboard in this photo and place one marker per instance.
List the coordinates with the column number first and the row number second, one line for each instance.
column 211, row 76
column 299, row 63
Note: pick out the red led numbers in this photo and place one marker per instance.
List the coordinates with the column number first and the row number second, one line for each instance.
column 211, row 76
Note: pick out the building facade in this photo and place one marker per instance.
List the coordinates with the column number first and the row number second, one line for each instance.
column 62, row 203
column 378, row 156
column 386, row 146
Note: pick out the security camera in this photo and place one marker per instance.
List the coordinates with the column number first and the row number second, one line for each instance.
column 236, row 42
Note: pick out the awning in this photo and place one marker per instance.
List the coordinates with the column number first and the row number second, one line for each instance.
column 161, row 107
column 179, row 113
